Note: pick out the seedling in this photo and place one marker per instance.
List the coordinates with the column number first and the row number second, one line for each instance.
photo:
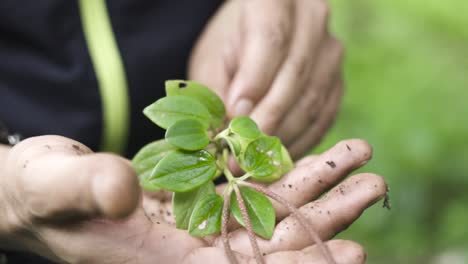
column 196, row 150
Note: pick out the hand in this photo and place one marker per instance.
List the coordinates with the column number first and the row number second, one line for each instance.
column 275, row 61
column 74, row 206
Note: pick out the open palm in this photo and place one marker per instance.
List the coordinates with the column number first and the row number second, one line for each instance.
column 74, row 206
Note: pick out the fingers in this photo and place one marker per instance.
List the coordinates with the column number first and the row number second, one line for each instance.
column 308, row 106
column 343, row 251
column 329, row 215
column 313, row 134
column 317, row 174
column 267, row 28
column 215, row 56
column 309, row 31
column 58, row 178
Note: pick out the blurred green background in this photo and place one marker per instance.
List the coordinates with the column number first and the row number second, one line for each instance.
column 406, row 74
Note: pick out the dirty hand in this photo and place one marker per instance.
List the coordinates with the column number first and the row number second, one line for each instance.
column 60, row 200
column 275, row 61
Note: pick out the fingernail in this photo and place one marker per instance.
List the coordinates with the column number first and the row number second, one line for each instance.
column 243, row 107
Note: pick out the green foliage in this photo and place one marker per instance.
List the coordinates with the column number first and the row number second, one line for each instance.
column 263, row 158
column 405, row 76
column 194, row 153
column 206, row 216
column 202, row 94
column 245, row 127
column 183, row 171
column 147, row 158
column 184, row 202
column 259, row 209
column 168, row 110
column 188, row 134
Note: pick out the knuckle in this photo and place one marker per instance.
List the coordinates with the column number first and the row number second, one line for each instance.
column 275, row 37
column 299, row 66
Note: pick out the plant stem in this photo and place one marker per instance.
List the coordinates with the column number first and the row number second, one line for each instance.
column 244, row 177
column 224, row 230
column 229, row 175
column 248, row 226
column 299, row 216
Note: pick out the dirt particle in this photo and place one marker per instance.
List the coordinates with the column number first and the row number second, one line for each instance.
column 341, row 190
column 164, row 237
column 328, row 212
column 284, row 186
column 161, row 211
column 386, row 202
column 331, row 164
column 25, row 164
column 312, row 207
column 76, row 147
column 347, row 146
column 375, row 186
column 290, row 186
column 47, row 146
column 320, row 181
column 320, row 211
column 152, row 214
column 182, row 85
column 168, row 213
column 157, row 222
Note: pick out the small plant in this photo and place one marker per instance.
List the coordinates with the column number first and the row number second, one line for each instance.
column 196, row 150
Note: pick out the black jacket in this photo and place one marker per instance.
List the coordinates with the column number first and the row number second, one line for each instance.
column 47, row 81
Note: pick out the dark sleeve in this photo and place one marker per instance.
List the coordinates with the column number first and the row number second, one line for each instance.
column 47, row 82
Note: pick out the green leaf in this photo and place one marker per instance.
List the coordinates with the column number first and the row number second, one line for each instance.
column 184, row 171
column 188, row 134
column 147, row 158
column 259, row 209
column 202, row 94
column 184, row 202
column 245, row 127
column 287, row 163
column 168, row 110
column 263, row 159
column 234, row 144
column 206, row 216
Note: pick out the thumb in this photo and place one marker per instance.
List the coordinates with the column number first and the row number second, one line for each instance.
column 58, row 178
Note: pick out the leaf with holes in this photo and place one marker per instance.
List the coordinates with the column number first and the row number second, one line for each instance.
column 168, row 110
column 183, row 171
column 188, row 134
column 202, row 94
column 263, row 159
column 259, row 209
column 206, row 216
column 147, row 158
column 184, row 202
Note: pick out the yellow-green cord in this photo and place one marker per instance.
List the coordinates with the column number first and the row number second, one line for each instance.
column 110, row 74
